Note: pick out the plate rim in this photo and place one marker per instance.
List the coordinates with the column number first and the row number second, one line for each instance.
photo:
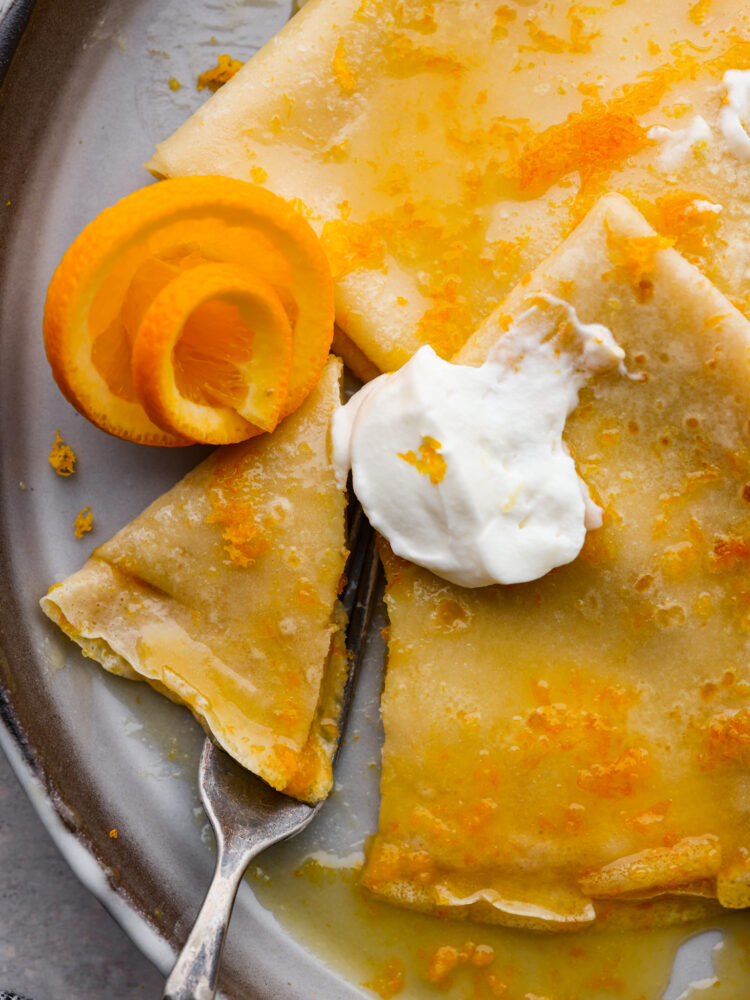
column 47, row 804
column 73, row 846
column 46, row 800
column 14, row 16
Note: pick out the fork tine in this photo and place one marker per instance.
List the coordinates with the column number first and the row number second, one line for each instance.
column 358, row 598
column 358, row 536
column 196, row 970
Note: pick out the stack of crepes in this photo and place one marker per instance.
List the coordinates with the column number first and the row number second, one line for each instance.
column 573, row 749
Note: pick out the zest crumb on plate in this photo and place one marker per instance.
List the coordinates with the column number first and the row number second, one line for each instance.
column 62, row 458
column 84, row 522
column 219, row 74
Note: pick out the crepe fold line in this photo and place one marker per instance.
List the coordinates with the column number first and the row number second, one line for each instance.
column 575, row 750
column 223, row 596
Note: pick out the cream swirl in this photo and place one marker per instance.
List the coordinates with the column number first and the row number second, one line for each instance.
column 464, row 470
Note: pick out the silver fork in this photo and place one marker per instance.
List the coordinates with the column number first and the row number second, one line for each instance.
column 246, row 814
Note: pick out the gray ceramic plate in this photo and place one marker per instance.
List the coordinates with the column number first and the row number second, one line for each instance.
column 85, row 99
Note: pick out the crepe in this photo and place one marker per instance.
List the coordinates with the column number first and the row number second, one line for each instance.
column 442, row 150
column 577, row 748
column 223, row 595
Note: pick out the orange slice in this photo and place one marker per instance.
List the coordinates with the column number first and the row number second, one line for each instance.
column 121, row 262
column 212, row 355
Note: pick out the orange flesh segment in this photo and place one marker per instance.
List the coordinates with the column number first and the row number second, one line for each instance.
column 213, row 353
column 205, row 374
column 110, row 355
column 214, row 339
column 113, row 345
column 214, row 343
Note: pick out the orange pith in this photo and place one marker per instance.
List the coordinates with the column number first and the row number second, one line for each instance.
column 125, row 260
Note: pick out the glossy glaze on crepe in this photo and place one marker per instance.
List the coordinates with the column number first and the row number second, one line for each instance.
column 433, row 149
column 572, row 748
column 222, row 595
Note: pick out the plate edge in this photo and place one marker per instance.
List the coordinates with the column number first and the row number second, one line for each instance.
column 14, row 16
column 78, row 856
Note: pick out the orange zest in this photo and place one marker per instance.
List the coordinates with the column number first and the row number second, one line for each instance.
column 429, row 462
column 62, row 458
column 84, row 522
column 196, row 309
column 592, row 143
column 226, row 67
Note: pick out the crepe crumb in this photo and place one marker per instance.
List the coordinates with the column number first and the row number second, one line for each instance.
column 219, row 74
column 442, row 963
column 84, row 522
column 113, row 833
column 62, row 458
column 390, row 980
column 498, row 988
column 445, row 959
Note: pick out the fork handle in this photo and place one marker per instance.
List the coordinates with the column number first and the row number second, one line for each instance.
column 196, row 970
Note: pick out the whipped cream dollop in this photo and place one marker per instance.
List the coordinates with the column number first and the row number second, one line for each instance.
column 677, row 143
column 735, row 114
column 464, row 470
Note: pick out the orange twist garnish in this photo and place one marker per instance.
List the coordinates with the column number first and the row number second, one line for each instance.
column 220, row 307
column 196, row 309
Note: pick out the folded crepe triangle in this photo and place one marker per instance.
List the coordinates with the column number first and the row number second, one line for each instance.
column 442, row 150
column 576, row 748
column 223, row 596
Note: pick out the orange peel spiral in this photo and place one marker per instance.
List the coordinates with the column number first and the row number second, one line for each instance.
column 131, row 353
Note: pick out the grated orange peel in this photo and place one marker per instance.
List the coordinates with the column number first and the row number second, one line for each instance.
column 122, row 264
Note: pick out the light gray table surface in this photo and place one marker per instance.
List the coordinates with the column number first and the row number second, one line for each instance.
column 56, row 941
